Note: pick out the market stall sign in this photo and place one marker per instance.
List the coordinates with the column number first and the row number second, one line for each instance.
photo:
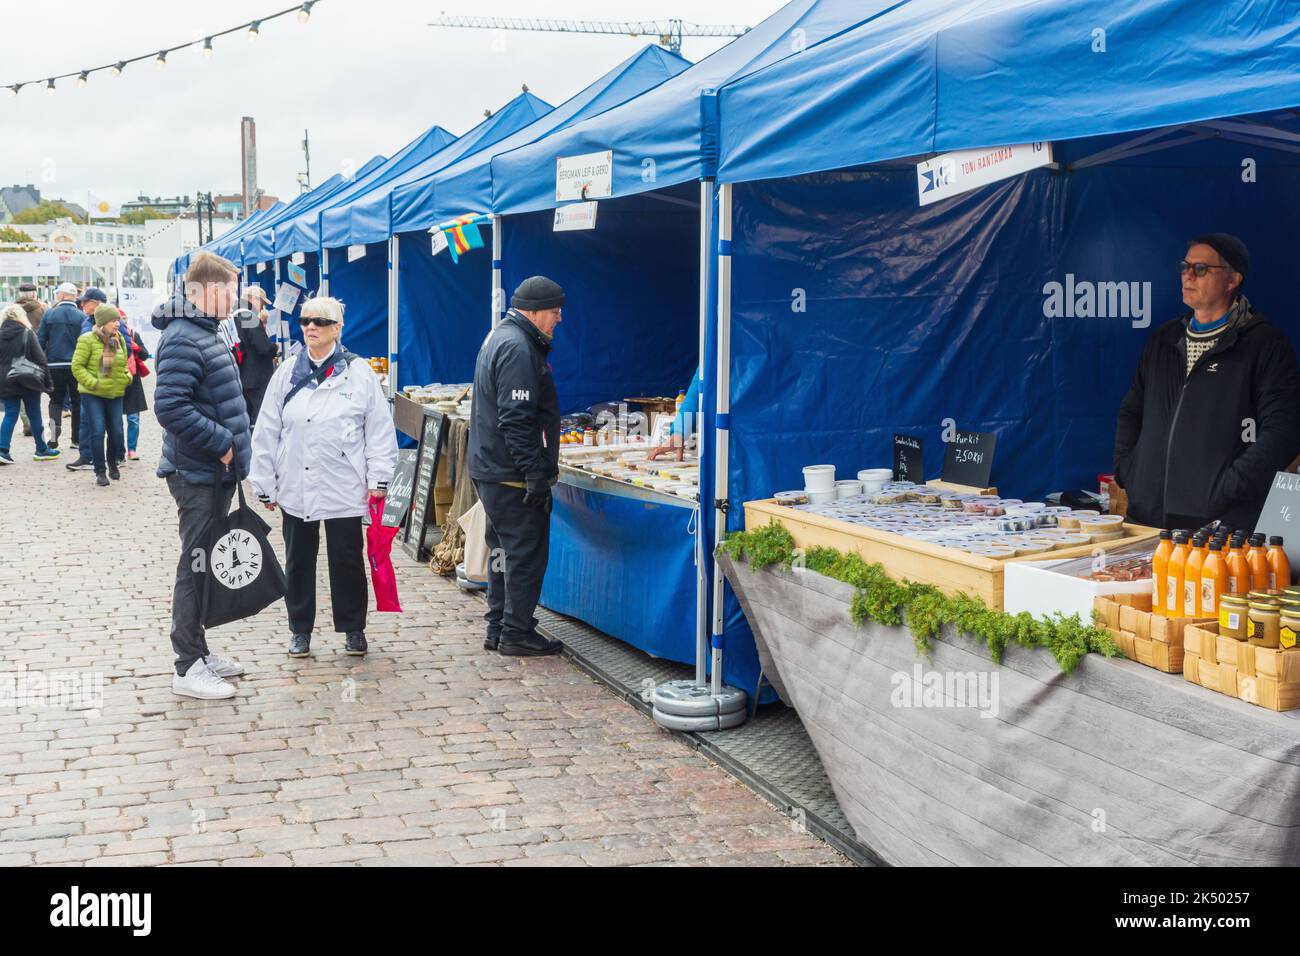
column 589, row 176
column 578, row 216
column 951, row 174
column 356, row 252
column 433, row 434
column 909, row 459
column 29, row 264
column 297, row 274
column 1281, row 516
column 400, row 488
column 968, row 459
column 286, row 297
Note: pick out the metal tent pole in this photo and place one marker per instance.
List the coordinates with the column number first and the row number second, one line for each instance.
column 394, row 251
column 324, row 271
column 701, row 574
column 279, row 327
column 498, row 294
column 722, row 423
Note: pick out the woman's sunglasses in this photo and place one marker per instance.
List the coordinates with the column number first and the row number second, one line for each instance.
column 1198, row 269
column 319, row 323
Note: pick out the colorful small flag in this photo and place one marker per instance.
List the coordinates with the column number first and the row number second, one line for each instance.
column 463, row 234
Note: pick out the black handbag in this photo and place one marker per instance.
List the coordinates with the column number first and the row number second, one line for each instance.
column 25, row 373
column 241, row 574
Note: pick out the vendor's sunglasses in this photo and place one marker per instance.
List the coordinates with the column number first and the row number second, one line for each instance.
column 1198, row 269
column 319, row 323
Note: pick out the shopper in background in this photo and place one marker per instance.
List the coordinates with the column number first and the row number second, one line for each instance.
column 514, row 451
column 134, row 401
column 200, row 406
column 1214, row 408
column 35, row 310
column 323, row 446
column 102, row 377
column 90, row 300
column 257, row 352
column 18, row 341
column 57, row 336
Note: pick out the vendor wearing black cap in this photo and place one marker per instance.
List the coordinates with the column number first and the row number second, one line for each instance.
column 514, row 459
column 1214, row 408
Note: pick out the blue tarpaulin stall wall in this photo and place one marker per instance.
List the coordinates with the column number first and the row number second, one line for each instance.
column 366, row 215
column 362, row 285
column 856, row 313
column 466, row 186
column 667, row 136
column 258, row 243
column 626, row 567
column 444, row 310
column 226, row 245
column 631, row 287
column 992, row 72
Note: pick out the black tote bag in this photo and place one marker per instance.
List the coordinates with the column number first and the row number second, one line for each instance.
column 240, row 574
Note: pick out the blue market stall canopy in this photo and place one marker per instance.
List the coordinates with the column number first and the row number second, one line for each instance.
column 259, row 243
column 302, row 232
column 996, row 72
column 466, row 186
column 667, row 136
column 363, row 215
column 227, row 245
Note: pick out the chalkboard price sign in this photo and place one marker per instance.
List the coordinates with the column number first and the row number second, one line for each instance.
column 909, row 459
column 400, row 488
column 432, row 433
column 968, row 459
column 1281, row 516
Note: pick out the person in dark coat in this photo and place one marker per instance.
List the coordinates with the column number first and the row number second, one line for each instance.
column 134, row 401
column 18, row 341
column 35, row 310
column 199, row 403
column 1214, row 408
column 57, row 336
column 514, row 453
column 257, row 352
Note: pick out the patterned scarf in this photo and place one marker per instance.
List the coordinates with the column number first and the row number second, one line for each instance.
column 302, row 365
column 109, row 354
column 1198, row 343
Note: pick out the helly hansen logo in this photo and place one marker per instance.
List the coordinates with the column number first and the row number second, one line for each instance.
column 1212, row 367
column 519, row 394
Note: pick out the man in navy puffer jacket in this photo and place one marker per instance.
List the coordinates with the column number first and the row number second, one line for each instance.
column 199, row 402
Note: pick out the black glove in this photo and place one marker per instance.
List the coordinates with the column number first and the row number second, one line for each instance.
column 538, row 493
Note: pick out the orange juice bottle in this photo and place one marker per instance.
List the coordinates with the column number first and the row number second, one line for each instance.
column 1238, row 570
column 1214, row 580
column 1174, row 576
column 1160, row 572
column 1257, row 561
column 1192, row 578
column 1279, row 568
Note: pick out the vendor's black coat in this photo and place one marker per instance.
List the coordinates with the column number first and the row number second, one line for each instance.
column 1183, row 444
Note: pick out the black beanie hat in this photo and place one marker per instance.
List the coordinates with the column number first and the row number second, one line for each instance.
column 1232, row 249
column 537, row 294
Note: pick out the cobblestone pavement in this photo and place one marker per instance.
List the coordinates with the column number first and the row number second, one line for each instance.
column 428, row 751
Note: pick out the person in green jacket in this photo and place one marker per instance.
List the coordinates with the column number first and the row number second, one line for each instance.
column 99, row 366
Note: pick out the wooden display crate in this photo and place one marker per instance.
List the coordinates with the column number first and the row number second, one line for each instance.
column 1150, row 639
column 1264, row 676
column 948, row 569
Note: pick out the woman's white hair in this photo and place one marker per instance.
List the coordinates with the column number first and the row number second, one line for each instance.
column 15, row 312
column 323, row 307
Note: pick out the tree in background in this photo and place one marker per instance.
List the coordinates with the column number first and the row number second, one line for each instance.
column 10, row 234
column 46, row 211
column 134, row 217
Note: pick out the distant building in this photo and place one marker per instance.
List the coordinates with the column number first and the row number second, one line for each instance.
column 233, row 205
column 175, row 207
column 16, row 199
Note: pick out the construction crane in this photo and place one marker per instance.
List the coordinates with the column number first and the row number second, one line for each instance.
column 668, row 32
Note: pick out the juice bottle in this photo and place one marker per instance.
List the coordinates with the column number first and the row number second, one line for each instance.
column 1214, row 580
column 1257, row 561
column 1238, row 570
column 1192, row 578
column 1174, row 576
column 1279, row 568
column 1160, row 572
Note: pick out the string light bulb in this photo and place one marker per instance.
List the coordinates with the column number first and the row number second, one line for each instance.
column 81, row 80
column 13, row 90
column 254, row 30
column 304, row 12
column 207, row 47
column 160, row 61
column 49, row 86
column 118, row 67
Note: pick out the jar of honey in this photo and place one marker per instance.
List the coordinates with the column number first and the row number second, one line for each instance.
column 1233, row 612
column 1289, row 627
column 1264, row 625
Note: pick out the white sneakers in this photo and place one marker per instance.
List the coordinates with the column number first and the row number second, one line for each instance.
column 204, row 679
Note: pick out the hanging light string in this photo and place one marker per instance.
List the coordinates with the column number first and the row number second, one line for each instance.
column 252, row 27
column 75, row 250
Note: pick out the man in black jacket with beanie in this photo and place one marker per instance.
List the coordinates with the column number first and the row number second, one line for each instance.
column 1214, row 408
column 514, row 455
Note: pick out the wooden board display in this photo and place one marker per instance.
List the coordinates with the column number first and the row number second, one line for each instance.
column 401, row 488
column 433, row 437
column 948, row 569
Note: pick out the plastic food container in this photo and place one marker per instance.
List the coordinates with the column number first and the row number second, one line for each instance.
column 789, row 498
column 821, row 497
column 847, row 488
column 819, row 478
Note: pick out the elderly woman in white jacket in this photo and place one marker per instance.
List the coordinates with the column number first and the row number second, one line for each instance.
column 323, row 445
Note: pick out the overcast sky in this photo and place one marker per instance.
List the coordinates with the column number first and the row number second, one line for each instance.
column 364, row 76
